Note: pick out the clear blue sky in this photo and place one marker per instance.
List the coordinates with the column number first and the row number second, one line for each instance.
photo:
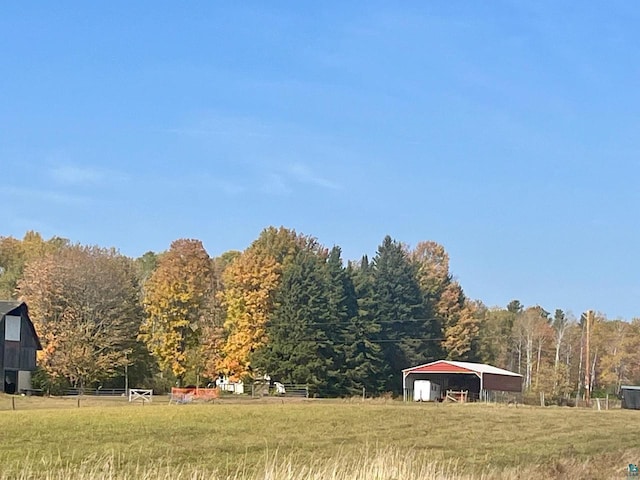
column 509, row 133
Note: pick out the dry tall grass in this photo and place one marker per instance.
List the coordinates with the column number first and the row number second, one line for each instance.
column 313, row 440
column 389, row 464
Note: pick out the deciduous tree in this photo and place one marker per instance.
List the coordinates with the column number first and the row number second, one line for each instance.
column 85, row 307
column 250, row 284
column 175, row 301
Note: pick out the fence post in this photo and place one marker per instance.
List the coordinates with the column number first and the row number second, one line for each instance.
column 542, row 399
column 363, row 392
column 13, row 403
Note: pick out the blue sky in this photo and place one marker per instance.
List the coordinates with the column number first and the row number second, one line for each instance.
column 507, row 132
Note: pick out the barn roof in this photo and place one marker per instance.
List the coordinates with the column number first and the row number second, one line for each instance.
column 7, row 305
column 451, row 366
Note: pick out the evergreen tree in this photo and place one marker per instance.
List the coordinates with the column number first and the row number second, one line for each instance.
column 406, row 331
column 363, row 352
column 342, row 307
column 298, row 349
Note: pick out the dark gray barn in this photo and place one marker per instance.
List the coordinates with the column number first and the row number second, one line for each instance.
column 630, row 397
column 18, row 347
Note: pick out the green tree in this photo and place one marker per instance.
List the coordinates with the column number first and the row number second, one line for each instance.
column 146, row 264
column 299, row 350
column 495, row 338
column 342, row 310
column 409, row 335
column 364, row 357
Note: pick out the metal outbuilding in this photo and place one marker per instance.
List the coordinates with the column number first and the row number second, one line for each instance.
column 478, row 379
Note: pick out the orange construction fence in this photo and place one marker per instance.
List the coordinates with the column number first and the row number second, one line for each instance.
column 194, row 393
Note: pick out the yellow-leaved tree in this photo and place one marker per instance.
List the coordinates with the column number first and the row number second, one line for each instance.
column 250, row 282
column 445, row 300
column 176, row 302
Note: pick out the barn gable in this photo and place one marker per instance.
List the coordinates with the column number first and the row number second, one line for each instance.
column 18, row 345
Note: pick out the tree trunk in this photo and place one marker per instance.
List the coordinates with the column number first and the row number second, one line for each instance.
column 580, row 364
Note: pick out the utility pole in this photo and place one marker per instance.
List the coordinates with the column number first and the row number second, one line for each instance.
column 587, row 373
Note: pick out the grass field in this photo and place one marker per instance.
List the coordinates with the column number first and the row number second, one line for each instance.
column 316, row 439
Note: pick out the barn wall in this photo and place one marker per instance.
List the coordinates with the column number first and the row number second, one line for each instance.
column 2, row 353
column 631, row 399
column 452, row 381
column 26, row 338
column 502, row 383
column 18, row 358
column 440, row 379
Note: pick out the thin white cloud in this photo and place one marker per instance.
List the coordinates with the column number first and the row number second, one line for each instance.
column 32, row 195
column 73, row 175
column 303, row 174
column 224, row 126
column 275, row 184
column 230, row 188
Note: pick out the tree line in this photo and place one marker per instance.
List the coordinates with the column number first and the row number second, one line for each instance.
column 294, row 310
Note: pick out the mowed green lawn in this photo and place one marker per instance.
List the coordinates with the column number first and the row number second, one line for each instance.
column 43, row 435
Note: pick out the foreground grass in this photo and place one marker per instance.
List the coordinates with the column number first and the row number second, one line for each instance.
column 314, row 440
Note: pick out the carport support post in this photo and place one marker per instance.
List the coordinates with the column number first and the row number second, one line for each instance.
column 404, row 387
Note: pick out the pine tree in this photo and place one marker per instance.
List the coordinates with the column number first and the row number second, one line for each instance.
column 363, row 352
column 342, row 308
column 298, row 349
column 406, row 331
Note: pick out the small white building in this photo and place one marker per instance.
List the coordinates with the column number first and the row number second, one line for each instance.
column 225, row 385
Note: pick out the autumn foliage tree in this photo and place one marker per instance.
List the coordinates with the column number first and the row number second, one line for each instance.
column 250, row 283
column 15, row 254
column 85, row 306
column 286, row 306
column 445, row 301
column 176, row 298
